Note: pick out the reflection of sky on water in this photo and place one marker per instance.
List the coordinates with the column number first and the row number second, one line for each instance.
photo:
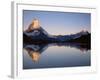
column 56, row 56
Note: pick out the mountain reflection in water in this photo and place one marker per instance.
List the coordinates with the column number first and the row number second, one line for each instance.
column 35, row 50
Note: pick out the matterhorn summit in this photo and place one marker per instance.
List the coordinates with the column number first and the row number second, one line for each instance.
column 34, row 25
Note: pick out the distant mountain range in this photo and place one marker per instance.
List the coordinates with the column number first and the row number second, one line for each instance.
column 39, row 35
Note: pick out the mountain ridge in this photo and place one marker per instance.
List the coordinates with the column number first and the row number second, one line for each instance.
column 40, row 35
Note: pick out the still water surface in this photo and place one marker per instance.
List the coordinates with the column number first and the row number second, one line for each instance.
column 55, row 55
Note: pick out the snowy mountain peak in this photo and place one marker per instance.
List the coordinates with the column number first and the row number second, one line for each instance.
column 33, row 25
column 83, row 32
column 79, row 34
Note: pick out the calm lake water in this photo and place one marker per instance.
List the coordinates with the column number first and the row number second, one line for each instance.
column 56, row 55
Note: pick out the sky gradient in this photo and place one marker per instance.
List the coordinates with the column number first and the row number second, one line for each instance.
column 58, row 23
